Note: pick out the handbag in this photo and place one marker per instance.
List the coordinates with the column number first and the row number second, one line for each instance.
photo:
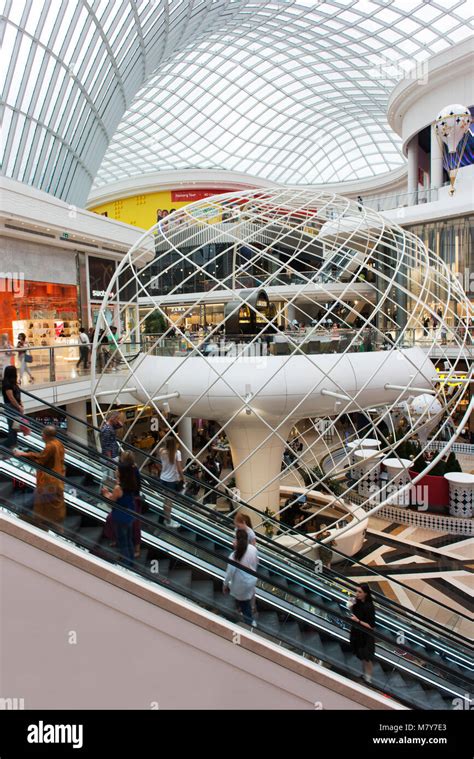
column 28, row 358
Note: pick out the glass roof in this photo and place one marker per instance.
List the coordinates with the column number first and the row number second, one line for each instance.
column 294, row 92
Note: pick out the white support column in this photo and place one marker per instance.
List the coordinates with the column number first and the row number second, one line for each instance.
column 75, row 430
column 262, row 465
column 436, row 162
column 412, row 155
column 185, row 434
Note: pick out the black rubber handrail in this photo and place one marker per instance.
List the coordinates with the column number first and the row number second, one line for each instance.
column 185, row 501
column 378, row 636
column 297, row 558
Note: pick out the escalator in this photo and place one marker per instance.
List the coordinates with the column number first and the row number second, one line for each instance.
column 418, row 662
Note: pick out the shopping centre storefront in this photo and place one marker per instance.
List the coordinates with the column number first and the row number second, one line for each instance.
column 46, row 312
column 452, row 241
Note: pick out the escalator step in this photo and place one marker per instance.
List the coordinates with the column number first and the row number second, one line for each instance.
column 205, row 543
column 379, row 675
column 334, row 653
column 225, row 601
column 72, row 523
column 396, row 683
column 76, row 479
column 434, row 700
column 6, row 487
column 90, row 536
column 416, row 695
column 151, row 516
column 291, row 631
column 163, row 567
column 142, row 559
column 223, row 552
column 282, row 581
column 293, row 587
column 268, row 620
column 312, row 643
column 188, row 534
column 204, row 589
column 181, row 577
column 352, row 664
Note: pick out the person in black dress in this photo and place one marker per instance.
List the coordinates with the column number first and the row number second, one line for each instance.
column 12, row 399
column 363, row 616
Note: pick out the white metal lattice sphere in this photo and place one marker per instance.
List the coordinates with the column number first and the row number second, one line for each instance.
column 282, row 316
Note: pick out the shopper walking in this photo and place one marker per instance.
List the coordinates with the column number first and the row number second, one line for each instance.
column 24, row 356
column 362, row 642
column 210, row 478
column 6, row 353
column 123, row 495
column 49, row 508
column 12, row 399
column 84, row 349
column 239, row 583
column 171, row 474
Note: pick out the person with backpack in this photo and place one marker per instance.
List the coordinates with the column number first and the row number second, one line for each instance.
column 239, row 583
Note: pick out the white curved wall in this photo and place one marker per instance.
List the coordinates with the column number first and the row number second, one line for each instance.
column 443, row 79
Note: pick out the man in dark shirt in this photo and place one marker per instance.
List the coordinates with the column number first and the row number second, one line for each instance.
column 108, row 435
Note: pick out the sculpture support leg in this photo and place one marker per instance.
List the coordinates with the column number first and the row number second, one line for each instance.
column 263, row 465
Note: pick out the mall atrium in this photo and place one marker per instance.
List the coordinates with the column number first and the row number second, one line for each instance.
column 237, row 323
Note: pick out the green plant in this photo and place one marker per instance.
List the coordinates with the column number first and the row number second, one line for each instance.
column 268, row 526
column 155, row 323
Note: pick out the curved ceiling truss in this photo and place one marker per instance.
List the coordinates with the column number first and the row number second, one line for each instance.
column 293, row 92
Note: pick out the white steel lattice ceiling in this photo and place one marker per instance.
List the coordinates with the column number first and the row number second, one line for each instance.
column 95, row 91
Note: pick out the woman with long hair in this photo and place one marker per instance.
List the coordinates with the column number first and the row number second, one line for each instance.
column 171, row 474
column 123, row 495
column 243, row 522
column 5, row 354
column 362, row 642
column 12, row 399
column 238, row 582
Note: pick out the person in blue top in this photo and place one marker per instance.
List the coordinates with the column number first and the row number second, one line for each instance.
column 124, row 494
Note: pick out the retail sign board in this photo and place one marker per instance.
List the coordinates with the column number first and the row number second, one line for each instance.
column 188, row 196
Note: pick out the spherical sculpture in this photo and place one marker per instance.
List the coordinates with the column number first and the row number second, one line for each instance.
column 291, row 322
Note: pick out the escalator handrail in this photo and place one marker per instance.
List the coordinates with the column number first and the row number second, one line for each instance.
column 100, row 497
column 110, row 556
column 294, row 555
